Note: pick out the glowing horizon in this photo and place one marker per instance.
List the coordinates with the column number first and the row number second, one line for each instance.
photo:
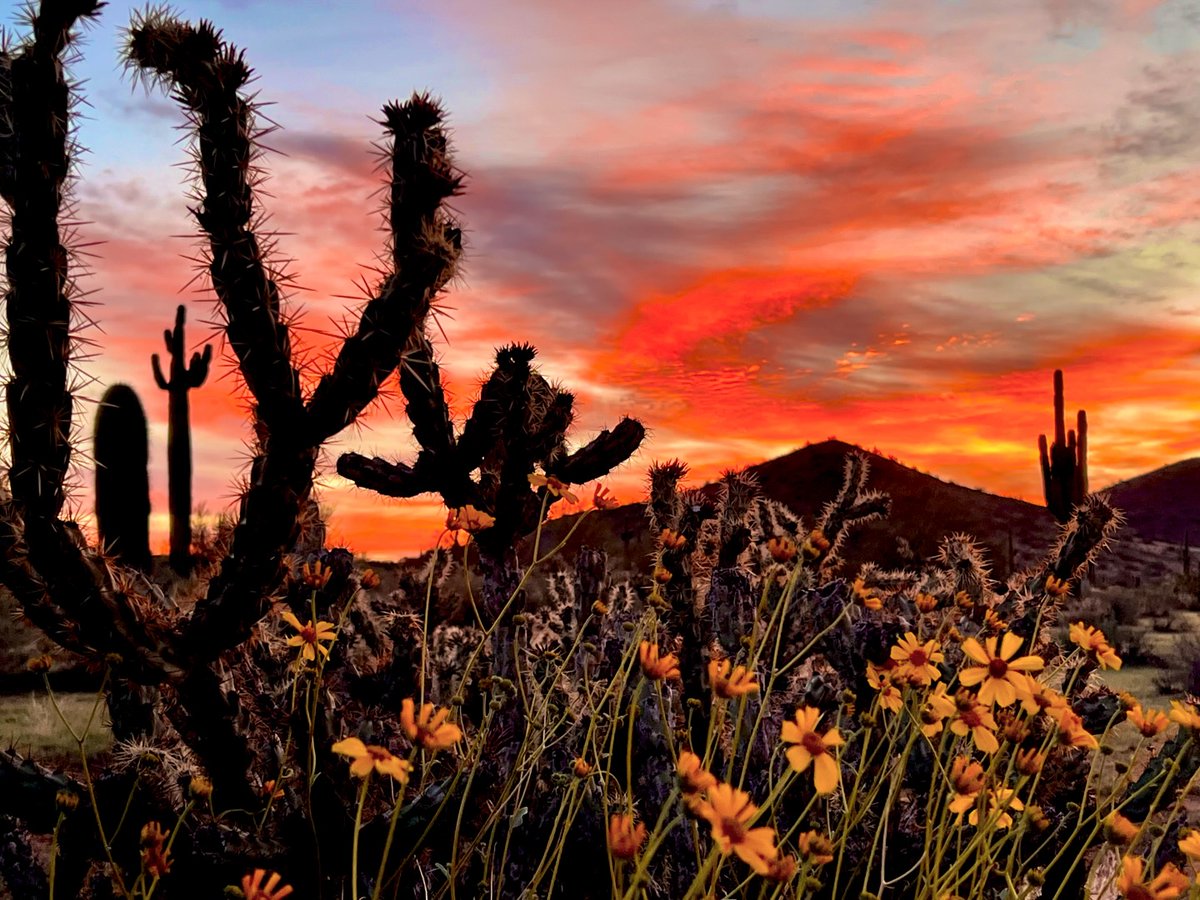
column 748, row 224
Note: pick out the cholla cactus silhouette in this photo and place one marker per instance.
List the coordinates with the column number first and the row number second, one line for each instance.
column 1064, row 463
column 184, row 377
column 118, row 622
column 120, row 447
column 517, row 426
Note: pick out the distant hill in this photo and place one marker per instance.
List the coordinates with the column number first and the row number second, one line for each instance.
column 925, row 509
column 1163, row 505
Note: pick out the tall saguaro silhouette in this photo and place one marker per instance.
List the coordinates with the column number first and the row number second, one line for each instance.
column 184, row 378
column 1064, row 464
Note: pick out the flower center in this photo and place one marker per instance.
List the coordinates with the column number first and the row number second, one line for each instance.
column 918, row 658
column 379, row 754
column 812, row 743
column 997, row 668
column 309, row 634
column 970, row 718
column 734, row 830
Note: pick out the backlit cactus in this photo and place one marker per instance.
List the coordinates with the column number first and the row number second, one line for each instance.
column 182, row 379
column 121, row 452
column 1064, row 463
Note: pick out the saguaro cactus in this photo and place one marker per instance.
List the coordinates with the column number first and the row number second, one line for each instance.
column 120, row 447
column 1064, row 465
column 184, row 378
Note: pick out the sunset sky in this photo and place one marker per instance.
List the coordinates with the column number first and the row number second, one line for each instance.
column 750, row 224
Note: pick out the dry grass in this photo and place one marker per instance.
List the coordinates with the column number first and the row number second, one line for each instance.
column 30, row 723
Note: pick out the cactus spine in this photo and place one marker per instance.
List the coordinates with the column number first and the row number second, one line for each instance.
column 184, row 377
column 1064, row 464
column 120, row 447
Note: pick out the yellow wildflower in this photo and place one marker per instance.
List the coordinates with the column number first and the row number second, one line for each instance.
column 810, row 747
column 656, row 667
column 917, row 659
column 429, row 729
column 997, row 672
column 730, row 812
column 254, row 889
column 309, row 637
column 368, row 759
column 1094, row 644
column 730, row 684
column 693, row 777
column 624, row 837
column 976, row 720
column 1168, row 884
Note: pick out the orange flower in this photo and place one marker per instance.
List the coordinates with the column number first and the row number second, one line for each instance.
column 672, row 540
column 730, row 811
column 1037, row 698
column 1149, row 722
column 1190, row 845
column 917, row 659
column 1071, row 732
column 729, row 684
column 656, row 667
column 1120, row 830
column 625, row 838
column 997, row 672
column 1057, row 587
column 1185, row 714
column 815, row 544
column 781, row 870
column 156, row 856
column 1029, row 761
column 868, row 597
column 782, row 549
column 811, row 747
column 369, row 580
column 309, row 636
column 581, row 767
column 315, row 575
column 368, row 759
column 429, row 729
column 602, row 499
column 967, row 779
column 926, row 602
column 692, row 775
column 995, row 808
column 1168, row 884
column 889, row 694
column 937, row 707
column 254, row 889
column 469, row 519
column 815, row 848
column 555, row 486
column 975, row 720
column 1094, row 644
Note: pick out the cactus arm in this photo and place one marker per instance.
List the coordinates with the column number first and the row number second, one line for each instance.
column 8, row 141
column 383, row 477
column 1081, row 468
column 603, row 453
column 425, row 248
column 162, row 382
column 197, row 370
column 206, row 76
